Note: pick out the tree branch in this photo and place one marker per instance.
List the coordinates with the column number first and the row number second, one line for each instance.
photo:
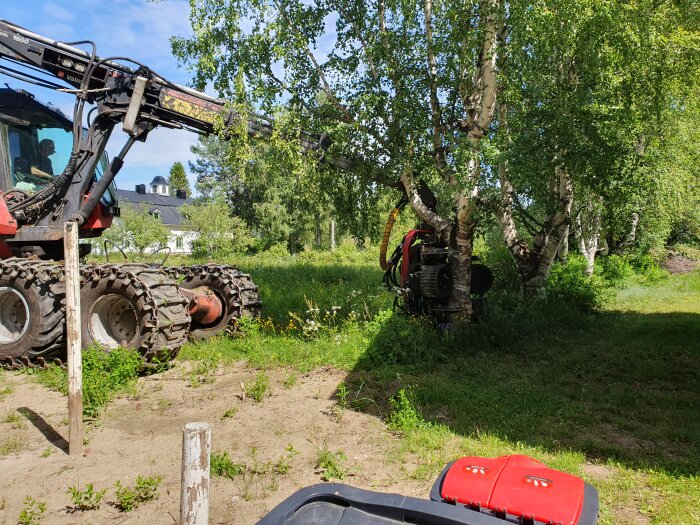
column 442, row 226
column 321, row 75
column 435, row 110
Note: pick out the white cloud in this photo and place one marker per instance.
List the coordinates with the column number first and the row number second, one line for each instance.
column 53, row 11
column 162, row 148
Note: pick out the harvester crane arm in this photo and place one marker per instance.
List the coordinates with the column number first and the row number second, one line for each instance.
column 138, row 98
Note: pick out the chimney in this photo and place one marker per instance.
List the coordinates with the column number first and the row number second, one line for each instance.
column 141, row 188
column 181, row 194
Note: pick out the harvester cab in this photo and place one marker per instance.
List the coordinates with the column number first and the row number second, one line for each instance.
column 36, row 142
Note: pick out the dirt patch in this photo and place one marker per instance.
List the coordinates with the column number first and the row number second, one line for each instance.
column 597, row 472
column 278, row 440
column 676, row 263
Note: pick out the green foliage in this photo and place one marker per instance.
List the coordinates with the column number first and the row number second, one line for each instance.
column 222, row 465
column 229, row 413
column 137, row 229
column 331, row 465
column 569, row 284
column 32, row 513
column 204, row 370
column 104, row 376
column 615, row 269
column 5, row 391
column 404, row 417
column 87, row 498
column 145, row 490
column 686, row 250
column 619, row 270
column 15, row 419
column 178, row 179
column 219, row 233
column 257, row 388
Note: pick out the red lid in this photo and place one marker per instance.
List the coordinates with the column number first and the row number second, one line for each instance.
column 529, row 488
column 471, row 480
column 517, row 485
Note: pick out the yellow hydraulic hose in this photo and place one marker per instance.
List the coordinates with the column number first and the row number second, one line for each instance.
column 385, row 237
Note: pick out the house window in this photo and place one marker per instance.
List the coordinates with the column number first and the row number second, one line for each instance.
column 178, row 243
column 156, row 214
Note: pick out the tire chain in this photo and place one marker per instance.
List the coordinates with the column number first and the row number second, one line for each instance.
column 167, row 315
column 248, row 300
column 46, row 273
column 168, row 332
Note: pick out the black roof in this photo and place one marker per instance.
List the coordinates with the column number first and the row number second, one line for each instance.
column 165, row 204
column 158, row 179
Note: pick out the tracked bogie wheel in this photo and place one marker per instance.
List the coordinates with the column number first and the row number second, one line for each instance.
column 230, row 289
column 31, row 311
column 133, row 306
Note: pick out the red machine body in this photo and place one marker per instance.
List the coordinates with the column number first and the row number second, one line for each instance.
column 406, row 260
column 517, row 489
column 8, row 224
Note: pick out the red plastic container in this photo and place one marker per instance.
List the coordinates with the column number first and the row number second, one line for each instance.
column 517, row 489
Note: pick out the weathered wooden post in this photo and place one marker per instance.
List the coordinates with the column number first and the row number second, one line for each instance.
column 74, row 340
column 194, row 496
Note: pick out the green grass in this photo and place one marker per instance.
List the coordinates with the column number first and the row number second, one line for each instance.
column 616, row 388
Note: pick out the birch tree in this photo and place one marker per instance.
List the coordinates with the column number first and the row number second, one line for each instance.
column 589, row 92
column 407, row 89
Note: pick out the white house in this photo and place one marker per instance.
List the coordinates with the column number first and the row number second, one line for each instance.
column 157, row 199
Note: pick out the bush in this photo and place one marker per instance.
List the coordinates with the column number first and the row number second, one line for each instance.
column 104, row 375
column 570, row 284
column 616, row 269
column 404, row 417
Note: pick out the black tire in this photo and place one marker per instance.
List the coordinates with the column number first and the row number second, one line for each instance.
column 236, row 291
column 31, row 311
column 133, row 306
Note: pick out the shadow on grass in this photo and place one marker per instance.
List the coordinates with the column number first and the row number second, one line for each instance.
column 616, row 386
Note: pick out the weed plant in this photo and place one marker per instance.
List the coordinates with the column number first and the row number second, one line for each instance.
column 222, row 465
column 11, row 446
column 257, row 388
column 87, row 498
column 5, row 390
column 32, row 513
column 144, row 490
column 330, row 464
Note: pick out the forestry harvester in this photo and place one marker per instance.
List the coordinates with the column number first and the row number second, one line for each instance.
column 152, row 309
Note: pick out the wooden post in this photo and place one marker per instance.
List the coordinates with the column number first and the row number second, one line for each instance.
column 194, row 496
column 74, row 339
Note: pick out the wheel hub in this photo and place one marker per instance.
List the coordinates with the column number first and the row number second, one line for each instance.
column 113, row 321
column 206, row 307
column 14, row 315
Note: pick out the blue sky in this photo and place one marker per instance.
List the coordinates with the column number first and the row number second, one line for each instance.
column 132, row 28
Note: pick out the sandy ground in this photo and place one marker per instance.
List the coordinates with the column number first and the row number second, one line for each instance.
column 142, row 435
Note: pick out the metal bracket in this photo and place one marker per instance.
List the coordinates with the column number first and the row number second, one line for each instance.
column 135, row 105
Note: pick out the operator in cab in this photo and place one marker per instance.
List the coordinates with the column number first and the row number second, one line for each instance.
column 44, row 168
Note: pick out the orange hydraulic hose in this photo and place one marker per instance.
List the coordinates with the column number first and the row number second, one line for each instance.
column 385, row 237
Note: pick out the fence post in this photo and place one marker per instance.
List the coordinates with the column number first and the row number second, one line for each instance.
column 74, row 340
column 194, row 495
